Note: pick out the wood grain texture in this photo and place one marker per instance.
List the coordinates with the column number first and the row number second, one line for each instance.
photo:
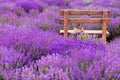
column 83, row 12
column 91, row 32
column 66, row 24
column 86, row 20
column 104, row 27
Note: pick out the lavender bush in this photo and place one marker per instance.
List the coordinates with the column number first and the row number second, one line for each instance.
column 30, row 5
column 84, row 64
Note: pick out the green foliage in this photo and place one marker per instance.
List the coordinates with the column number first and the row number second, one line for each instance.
column 83, row 37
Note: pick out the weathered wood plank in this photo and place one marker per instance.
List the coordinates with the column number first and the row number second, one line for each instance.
column 91, row 32
column 66, row 23
column 104, row 27
column 83, row 12
column 86, row 20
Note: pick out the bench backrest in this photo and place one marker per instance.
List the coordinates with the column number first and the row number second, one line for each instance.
column 104, row 20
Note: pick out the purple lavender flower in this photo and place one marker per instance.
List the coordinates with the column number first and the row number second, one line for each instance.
column 29, row 5
column 32, row 49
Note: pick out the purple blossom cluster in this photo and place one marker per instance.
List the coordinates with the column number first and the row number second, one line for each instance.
column 32, row 49
column 46, row 13
column 26, row 49
column 83, row 64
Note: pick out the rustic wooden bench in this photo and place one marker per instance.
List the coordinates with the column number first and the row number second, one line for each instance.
column 104, row 20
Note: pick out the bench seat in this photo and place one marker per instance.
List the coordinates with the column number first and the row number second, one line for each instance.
column 91, row 32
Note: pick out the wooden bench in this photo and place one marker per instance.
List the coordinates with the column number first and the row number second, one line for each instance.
column 66, row 20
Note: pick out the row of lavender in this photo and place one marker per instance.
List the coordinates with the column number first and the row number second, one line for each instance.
column 31, row 49
column 32, row 54
column 44, row 14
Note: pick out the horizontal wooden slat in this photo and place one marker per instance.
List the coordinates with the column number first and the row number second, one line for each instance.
column 86, row 20
column 95, row 32
column 83, row 12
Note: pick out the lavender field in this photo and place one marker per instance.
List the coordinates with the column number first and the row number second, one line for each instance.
column 31, row 47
